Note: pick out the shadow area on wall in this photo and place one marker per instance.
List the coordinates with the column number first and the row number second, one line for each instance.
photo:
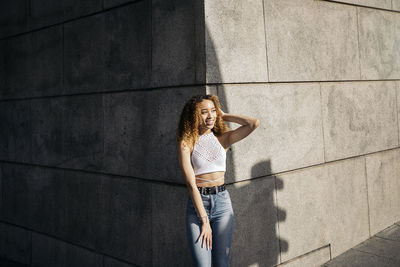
column 256, row 240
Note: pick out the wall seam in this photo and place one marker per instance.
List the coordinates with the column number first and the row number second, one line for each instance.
column 397, row 113
column 265, row 40
column 183, row 86
column 358, row 5
column 68, row 20
column 151, row 42
column 358, row 41
column 170, row 183
column 31, row 243
column 322, row 122
column 366, row 184
column 63, row 60
column 65, row 241
column 277, row 221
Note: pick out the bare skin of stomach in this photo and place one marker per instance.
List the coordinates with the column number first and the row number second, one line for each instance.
column 210, row 176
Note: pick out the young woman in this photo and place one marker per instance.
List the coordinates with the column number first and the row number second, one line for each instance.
column 203, row 139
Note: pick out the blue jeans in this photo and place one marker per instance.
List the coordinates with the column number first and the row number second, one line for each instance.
column 220, row 213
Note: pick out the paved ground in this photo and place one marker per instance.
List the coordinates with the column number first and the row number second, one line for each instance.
column 381, row 250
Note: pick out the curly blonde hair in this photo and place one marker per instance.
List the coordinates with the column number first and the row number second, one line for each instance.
column 190, row 119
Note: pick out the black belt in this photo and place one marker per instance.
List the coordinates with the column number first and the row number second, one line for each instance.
column 212, row 189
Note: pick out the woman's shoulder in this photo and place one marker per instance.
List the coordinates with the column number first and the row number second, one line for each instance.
column 184, row 146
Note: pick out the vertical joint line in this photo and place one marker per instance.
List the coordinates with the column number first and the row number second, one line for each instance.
column 322, row 121
column 151, row 44
column 366, row 184
column 265, row 39
column 358, row 40
column 62, row 59
column 30, row 257
column 397, row 87
column 277, row 221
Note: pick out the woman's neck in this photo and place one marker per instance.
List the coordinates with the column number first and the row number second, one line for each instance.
column 205, row 132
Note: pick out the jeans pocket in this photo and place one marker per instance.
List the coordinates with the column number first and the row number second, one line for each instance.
column 225, row 194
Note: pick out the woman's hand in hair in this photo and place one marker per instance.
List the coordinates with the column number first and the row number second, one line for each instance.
column 222, row 113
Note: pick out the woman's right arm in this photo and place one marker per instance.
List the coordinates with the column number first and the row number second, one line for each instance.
column 188, row 172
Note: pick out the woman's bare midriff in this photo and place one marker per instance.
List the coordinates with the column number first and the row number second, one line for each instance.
column 210, row 176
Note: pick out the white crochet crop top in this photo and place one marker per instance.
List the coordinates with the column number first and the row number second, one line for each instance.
column 208, row 155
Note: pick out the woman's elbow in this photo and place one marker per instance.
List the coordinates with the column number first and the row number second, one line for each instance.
column 256, row 123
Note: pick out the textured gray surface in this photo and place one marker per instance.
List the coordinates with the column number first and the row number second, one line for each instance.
column 173, row 42
column 47, row 251
column 348, row 204
column 33, row 197
column 15, row 243
column 312, row 259
column 290, row 134
column 396, row 5
column 385, row 4
column 256, row 238
column 235, row 41
column 379, row 35
column 47, row 12
column 33, row 64
column 311, row 40
column 13, row 16
column 358, row 118
column 383, row 173
column 124, row 227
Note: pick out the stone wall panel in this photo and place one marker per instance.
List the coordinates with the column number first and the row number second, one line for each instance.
column 81, row 221
column 15, row 243
column 19, row 131
column 348, row 203
column 47, row 131
column 128, row 47
column 359, row 118
column 84, row 49
column 304, row 198
column 109, row 51
column 379, row 34
column 33, row 64
column 396, row 5
column 255, row 238
column 235, row 41
column 290, row 134
column 47, row 12
column 311, row 41
column 383, row 173
column 48, row 251
column 13, row 17
column 173, row 43
column 83, row 130
column 166, row 229
column 124, row 220
column 34, row 197
column 5, row 123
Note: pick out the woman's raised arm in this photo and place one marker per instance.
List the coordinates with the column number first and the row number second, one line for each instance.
column 249, row 124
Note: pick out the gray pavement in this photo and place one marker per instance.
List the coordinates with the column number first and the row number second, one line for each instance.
column 381, row 250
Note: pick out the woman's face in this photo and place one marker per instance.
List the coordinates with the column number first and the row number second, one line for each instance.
column 208, row 114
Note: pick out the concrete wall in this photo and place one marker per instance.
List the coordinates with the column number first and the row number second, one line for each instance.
column 90, row 98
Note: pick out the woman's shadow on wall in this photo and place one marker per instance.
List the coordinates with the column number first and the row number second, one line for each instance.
column 256, row 240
